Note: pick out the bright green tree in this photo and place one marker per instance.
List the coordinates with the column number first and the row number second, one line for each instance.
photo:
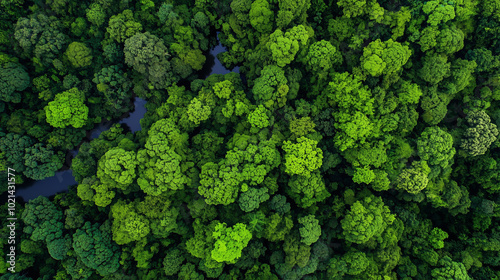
column 229, row 242
column 117, row 168
column 260, row 16
column 68, row 108
column 384, row 57
column 303, row 157
column 415, row 178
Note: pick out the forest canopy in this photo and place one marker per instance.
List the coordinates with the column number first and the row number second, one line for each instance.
column 351, row 139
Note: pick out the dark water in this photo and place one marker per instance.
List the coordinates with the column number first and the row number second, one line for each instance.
column 213, row 64
column 46, row 187
column 64, row 179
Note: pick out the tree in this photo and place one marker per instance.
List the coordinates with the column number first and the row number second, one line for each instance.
column 309, row 229
column 173, row 261
column 271, row 87
column 353, row 8
column 160, row 162
column 115, row 85
column 41, row 162
column 284, row 46
column 128, row 225
column 122, row 26
column 307, row 191
column 117, row 168
column 252, row 198
column 279, row 204
column 449, row 270
column 43, row 220
column 355, row 103
column 79, row 55
column 435, row 146
column 259, row 117
column 96, row 250
column 414, row 179
column 13, row 80
column 39, row 35
column 277, row 227
column 434, row 68
column 303, row 157
column 147, row 54
column 479, row 135
column 301, row 127
column 260, row 16
column 67, row 109
column 96, row 14
column 197, row 111
column 366, row 219
column 229, row 242
column 14, row 146
column 246, row 163
column 322, row 56
column 384, row 57
column 438, row 11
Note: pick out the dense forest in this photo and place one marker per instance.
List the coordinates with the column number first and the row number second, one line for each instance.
column 359, row 139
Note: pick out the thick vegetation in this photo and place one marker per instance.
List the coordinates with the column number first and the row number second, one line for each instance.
column 359, row 139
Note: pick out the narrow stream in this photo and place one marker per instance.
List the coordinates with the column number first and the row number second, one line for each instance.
column 62, row 180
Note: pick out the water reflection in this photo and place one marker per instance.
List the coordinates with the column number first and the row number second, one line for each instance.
column 46, row 187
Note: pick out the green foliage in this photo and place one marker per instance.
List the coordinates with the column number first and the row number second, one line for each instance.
column 173, row 261
column 41, row 162
column 303, row 157
column 252, row 198
column 329, row 150
column 247, row 163
column 95, row 14
column 259, row 117
column 160, row 163
column 122, row 26
column 13, row 79
column 384, row 57
column 95, row 249
column 68, row 108
column 147, row 54
column 284, row 46
column 307, row 191
column 229, row 242
column 271, row 88
column 366, row 219
column 479, row 135
column 260, row 16
column 43, row 220
column 301, row 127
column 415, row 178
column 436, row 147
column 117, row 168
column 79, row 55
column 128, row 225
column 310, row 230
column 322, row 56
column 450, row 270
